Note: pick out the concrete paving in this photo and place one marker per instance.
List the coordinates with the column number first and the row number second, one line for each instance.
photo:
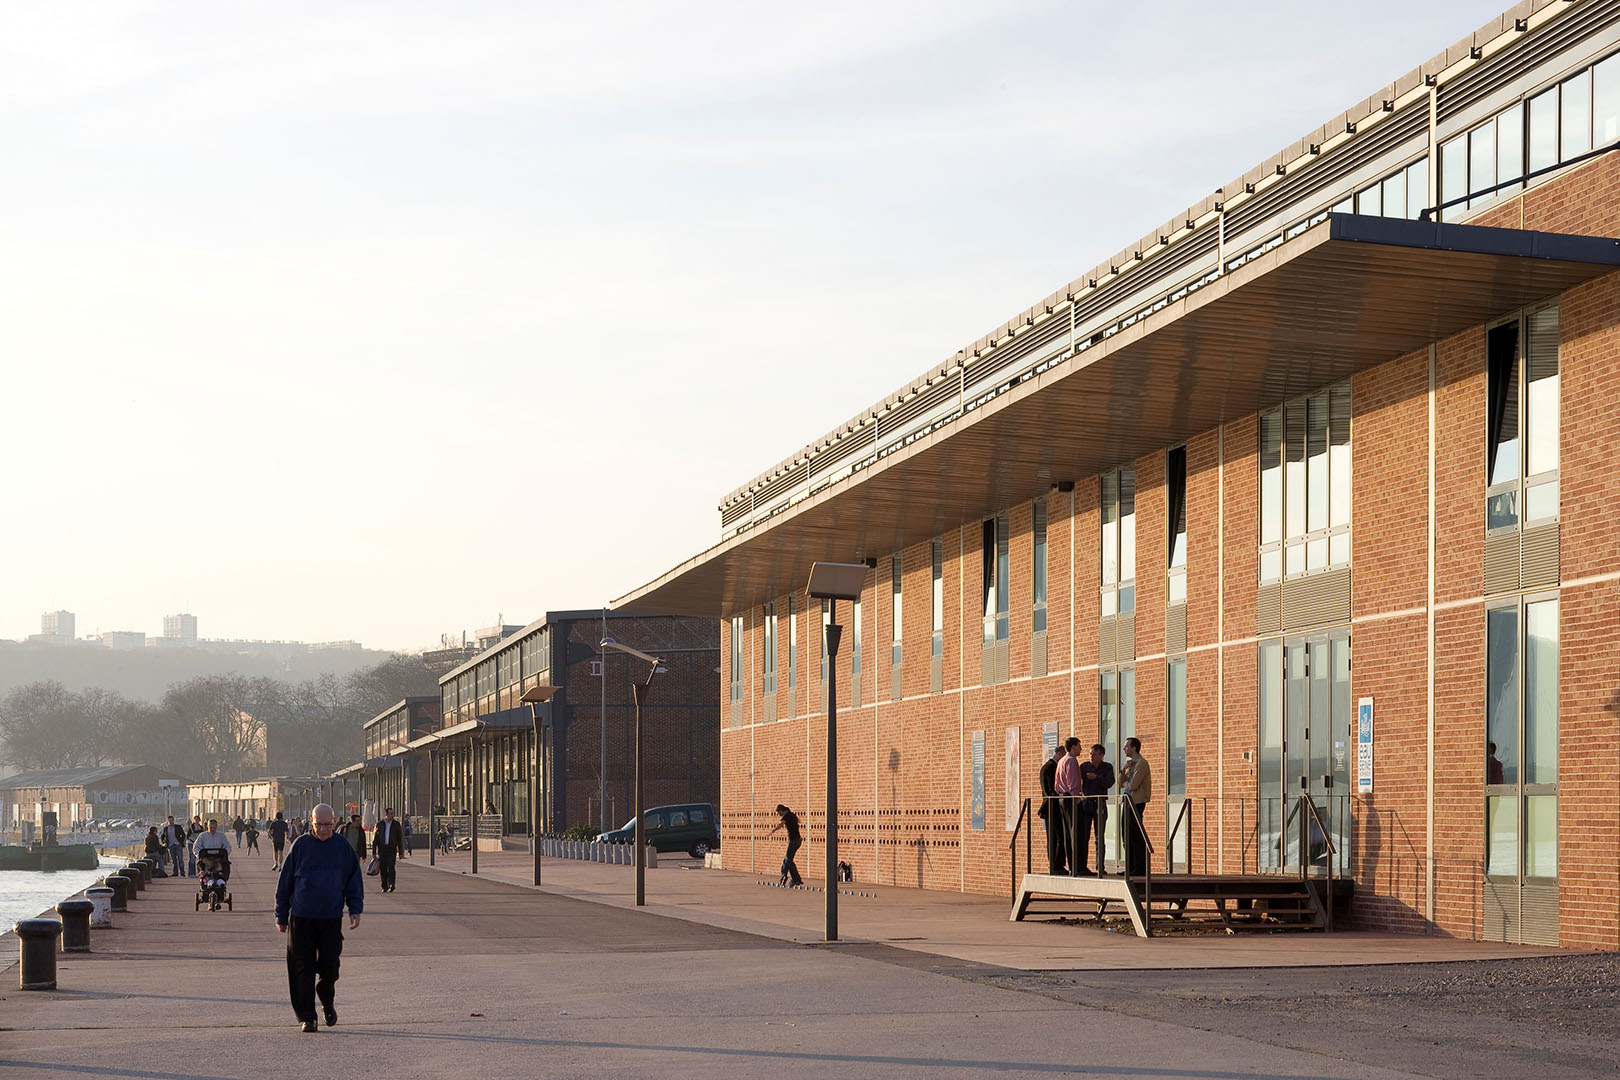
column 460, row 976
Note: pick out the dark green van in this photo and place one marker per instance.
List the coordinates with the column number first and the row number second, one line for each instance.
column 688, row 827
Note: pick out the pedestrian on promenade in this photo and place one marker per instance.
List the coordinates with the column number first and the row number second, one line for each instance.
column 278, row 840
column 212, row 841
column 240, row 826
column 194, row 829
column 355, row 834
column 386, row 844
column 1137, row 784
column 174, row 838
column 406, row 852
column 1051, row 815
column 321, row 876
column 1096, row 777
column 790, row 822
column 253, row 836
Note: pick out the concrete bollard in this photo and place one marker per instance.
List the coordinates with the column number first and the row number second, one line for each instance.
column 652, row 857
column 75, row 924
column 100, row 898
column 120, row 891
column 36, row 942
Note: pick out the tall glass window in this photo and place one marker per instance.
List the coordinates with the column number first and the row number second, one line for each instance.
column 768, row 660
column 736, row 659
column 1305, row 485
column 896, row 608
column 1038, row 570
column 793, row 644
column 936, row 598
column 995, row 579
column 1176, row 743
column 1116, row 722
column 855, row 649
column 1575, row 116
column 1521, row 738
column 1522, row 418
column 1176, row 491
column 1119, row 541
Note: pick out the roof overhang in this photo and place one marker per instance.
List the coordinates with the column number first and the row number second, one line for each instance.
column 1344, row 296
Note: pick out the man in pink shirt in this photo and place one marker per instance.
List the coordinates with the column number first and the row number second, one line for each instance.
column 1067, row 783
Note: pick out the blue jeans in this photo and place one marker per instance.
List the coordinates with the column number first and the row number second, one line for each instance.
column 191, row 861
column 177, row 856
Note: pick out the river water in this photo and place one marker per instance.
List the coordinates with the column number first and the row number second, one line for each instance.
column 27, row 893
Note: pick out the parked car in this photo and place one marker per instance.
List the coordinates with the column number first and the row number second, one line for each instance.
column 689, row 827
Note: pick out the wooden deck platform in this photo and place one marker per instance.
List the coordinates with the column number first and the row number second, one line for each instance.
column 1236, row 901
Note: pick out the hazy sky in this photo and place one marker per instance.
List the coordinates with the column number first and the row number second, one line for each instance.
column 377, row 320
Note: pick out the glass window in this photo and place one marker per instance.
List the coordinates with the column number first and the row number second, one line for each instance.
column 1369, row 200
column 1394, row 196
column 1575, row 116
column 1316, row 462
column 1417, row 188
column 1502, row 695
column 1541, row 392
column 1271, row 511
column 1176, row 744
column 1002, row 591
column 1541, row 692
column 1502, row 836
column 855, row 649
column 1176, row 482
column 1453, row 175
column 1606, row 101
column 793, row 644
column 896, row 607
column 768, row 659
column 1127, row 538
column 988, row 582
column 736, row 658
column 1481, row 163
column 1541, row 836
column 1510, row 147
column 1544, row 130
column 1038, row 570
column 1110, row 529
column 937, row 598
column 1502, row 404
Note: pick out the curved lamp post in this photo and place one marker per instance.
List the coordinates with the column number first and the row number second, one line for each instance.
column 656, row 665
column 534, row 698
column 834, row 582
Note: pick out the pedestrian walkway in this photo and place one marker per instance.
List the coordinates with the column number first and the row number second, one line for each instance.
column 960, row 926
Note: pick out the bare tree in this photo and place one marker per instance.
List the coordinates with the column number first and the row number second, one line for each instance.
column 43, row 727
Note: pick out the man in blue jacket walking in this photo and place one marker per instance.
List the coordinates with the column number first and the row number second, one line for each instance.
column 320, row 876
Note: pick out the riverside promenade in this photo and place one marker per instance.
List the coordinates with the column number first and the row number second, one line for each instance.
column 455, row 975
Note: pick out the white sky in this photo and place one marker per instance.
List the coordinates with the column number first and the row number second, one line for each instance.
column 374, row 320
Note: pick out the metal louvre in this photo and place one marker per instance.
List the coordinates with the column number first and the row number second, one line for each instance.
column 739, row 510
column 770, row 708
column 1001, row 661
column 1530, row 51
column 1501, row 914
column 895, row 692
column 855, row 690
column 987, row 665
column 925, row 402
column 1269, row 608
column 1301, row 187
column 1502, row 562
column 1538, row 912
column 1204, row 241
column 1316, row 599
column 1107, row 649
column 790, row 479
column 936, row 674
column 1538, row 566
column 1125, row 637
column 1037, row 655
column 736, row 720
column 1175, row 629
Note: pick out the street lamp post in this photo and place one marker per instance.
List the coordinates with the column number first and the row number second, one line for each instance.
column 834, row 582
column 534, row 698
column 639, row 690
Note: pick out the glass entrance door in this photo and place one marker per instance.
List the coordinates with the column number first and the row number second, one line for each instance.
column 1305, row 751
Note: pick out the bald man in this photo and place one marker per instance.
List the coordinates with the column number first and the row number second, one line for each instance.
column 321, row 875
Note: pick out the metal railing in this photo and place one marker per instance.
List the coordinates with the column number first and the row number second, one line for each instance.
column 1307, row 859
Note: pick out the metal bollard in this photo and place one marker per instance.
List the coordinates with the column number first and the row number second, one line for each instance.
column 100, row 898
column 120, row 891
column 145, row 867
column 137, row 883
column 37, row 953
column 75, row 924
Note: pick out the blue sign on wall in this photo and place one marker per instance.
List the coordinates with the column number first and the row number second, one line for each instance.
column 1364, row 746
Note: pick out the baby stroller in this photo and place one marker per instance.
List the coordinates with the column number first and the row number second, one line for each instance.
column 213, row 871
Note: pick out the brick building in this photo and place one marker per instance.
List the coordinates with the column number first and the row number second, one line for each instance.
column 1335, row 441
column 483, row 750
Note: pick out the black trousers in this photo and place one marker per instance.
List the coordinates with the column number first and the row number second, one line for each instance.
column 1057, row 829
column 313, row 949
column 1093, row 820
column 386, row 866
column 790, row 869
column 1136, row 842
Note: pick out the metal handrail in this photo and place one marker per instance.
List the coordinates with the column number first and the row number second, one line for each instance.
column 1305, row 859
column 1012, row 847
column 1170, row 842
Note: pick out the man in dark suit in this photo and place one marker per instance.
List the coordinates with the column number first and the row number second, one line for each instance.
column 1052, row 815
column 386, row 845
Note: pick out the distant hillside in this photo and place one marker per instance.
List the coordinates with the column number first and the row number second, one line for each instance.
column 145, row 674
